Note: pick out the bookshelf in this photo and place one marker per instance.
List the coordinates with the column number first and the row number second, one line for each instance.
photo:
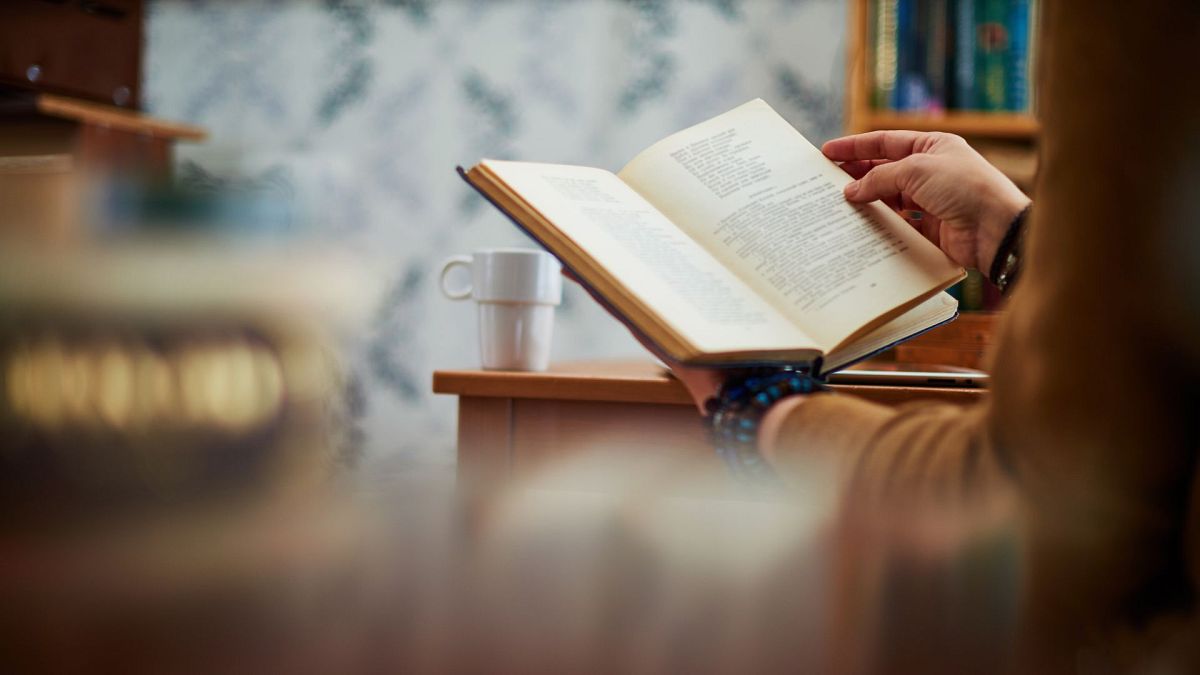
column 94, row 135
column 974, row 124
column 1007, row 139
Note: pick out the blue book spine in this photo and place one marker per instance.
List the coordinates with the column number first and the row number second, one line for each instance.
column 1017, row 73
column 903, row 53
column 964, row 54
column 910, row 81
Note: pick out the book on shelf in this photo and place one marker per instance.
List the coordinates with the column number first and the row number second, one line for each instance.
column 1017, row 72
column 731, row 243
column 935, row 55
column 886, row 59
column 964, row 54
column 910, row 77
column 886, row 65
column 921, row 37
column 991, row 54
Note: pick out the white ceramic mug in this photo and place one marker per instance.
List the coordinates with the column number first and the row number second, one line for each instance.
column 517, row 290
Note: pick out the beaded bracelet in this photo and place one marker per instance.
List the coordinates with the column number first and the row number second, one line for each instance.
column 736, row 413
column 1006, row 265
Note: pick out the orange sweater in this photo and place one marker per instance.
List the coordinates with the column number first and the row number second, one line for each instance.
column 1093, row 419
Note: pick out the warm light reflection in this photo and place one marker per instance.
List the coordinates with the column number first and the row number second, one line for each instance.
column 115, row 386
column 230, row 384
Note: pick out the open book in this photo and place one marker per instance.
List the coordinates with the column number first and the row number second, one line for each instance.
column 731, row 243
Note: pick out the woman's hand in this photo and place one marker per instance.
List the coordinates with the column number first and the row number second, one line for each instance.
column 965, row 204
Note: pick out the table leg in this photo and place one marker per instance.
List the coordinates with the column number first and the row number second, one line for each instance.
column 485, row 427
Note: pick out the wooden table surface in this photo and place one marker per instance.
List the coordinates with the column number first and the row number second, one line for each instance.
column 636, row 381
column 631, row 415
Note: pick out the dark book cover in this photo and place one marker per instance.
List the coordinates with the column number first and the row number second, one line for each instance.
column 937, row 46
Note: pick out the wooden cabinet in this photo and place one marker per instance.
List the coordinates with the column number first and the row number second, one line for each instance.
column 94, row 135
column 69, row 86
column 89, row 49
column 50, row 145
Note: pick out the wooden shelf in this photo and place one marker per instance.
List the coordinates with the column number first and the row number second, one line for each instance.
column 862, row 116
column 95, row 114
column 969, row 124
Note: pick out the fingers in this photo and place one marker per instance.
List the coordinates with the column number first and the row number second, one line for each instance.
column 859, row 167
column 873, row 145
column 882, row 182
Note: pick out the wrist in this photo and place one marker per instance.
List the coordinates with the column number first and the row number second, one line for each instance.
column 739, row 409
column 1006, row 266
column 994, row 224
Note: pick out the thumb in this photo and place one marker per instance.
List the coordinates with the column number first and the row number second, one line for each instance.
column 883, row 181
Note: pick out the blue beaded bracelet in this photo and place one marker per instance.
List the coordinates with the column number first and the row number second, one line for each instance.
column 736, row 413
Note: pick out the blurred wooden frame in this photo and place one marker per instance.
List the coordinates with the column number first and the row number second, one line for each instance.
column 40, row 194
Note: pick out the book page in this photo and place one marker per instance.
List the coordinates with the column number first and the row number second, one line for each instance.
column 667, row 270
column 750, row 189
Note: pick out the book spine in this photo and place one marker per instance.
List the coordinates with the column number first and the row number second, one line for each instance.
column 991, row 45
column 910, row 72
column 1035, row 22
column 936, row 47
column 900, row 95
column 885, row 53
column 1017, row 76
column 972, row 292
column 964, row 54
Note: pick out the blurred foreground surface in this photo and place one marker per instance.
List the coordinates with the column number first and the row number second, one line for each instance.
column 531, row 578
column 424, row 577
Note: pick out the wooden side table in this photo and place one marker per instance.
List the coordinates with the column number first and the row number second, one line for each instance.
column 631, row 413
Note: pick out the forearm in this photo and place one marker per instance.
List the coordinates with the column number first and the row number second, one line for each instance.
column 932, row 449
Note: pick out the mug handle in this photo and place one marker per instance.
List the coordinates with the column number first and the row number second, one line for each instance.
column 451, row 263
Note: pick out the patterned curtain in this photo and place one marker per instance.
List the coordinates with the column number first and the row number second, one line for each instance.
column 356, row 112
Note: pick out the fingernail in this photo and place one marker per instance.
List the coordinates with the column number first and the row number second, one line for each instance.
column 851, row 188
